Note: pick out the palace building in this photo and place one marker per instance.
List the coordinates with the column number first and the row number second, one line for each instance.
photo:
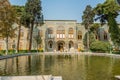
column 56, row 35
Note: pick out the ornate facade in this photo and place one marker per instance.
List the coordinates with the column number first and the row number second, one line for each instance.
column 56, row 35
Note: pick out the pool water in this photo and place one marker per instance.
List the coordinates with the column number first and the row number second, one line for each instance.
column 70, row 67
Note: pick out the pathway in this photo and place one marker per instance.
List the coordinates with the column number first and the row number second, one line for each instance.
column 40, row 77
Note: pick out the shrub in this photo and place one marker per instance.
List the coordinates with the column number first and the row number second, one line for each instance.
column 91, row 38
column 33, row 50
column 2, row 52
column 41, row 50
column 80, row 49
column 23, row 51
column 100, row 46
column 116, row 52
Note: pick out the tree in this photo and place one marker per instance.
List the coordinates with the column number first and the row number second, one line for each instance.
column 87, row 20
column 91, row 38
column 32, row 16
column 19, row 14
column 94, row 28
column 36, row 37
column 107, row 12
column 7, row 19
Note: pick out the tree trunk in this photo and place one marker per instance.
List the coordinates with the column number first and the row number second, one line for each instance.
column 88, row 40
column 37, row 46
column 31, row 32
column 6, row 42
column 18, row 42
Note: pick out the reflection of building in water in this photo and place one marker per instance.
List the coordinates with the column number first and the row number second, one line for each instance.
column 57, row 35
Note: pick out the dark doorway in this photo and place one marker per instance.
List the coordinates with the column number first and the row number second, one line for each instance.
column 60, row 47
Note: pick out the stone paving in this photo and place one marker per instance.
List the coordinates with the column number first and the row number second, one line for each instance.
column 40, row 77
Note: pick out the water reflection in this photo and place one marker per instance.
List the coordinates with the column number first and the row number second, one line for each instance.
column 70, row 67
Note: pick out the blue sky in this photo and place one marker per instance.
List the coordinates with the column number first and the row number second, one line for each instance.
column 63, row 9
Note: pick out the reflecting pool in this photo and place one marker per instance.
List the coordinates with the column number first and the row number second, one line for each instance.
column 70, row 67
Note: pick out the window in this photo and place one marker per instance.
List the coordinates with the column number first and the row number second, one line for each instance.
column 105, row 36
column 96, row 36
column 79, row 35
column 70, row 30
column 71, row 44
column 50, row 32
column 60, row 32
column 70, row 33
column 50, row 44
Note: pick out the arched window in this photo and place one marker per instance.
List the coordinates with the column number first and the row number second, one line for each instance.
column 50, row 43
column 50, row 32
column 60, row 32
column 79, row 35
column 71, row 32
column 105, row 36
column 71, row 44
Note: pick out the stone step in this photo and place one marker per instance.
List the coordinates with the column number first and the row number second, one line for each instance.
column 40, row 77
column 117, row 77
column 56, row 78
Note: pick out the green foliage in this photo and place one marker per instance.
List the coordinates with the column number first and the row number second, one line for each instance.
column 108, row 11
column 32, row 15
column 23, row 51
column 87, row 20
column 2, row 52
column 114, row 30
column 7, row 19
column 36, row 35
column 116, row 52
column 100, row 46
column 19, row 10
column 41, row 50
column 32, row 12
column 88, row 16
column 91, row 38
column 94, row 27
column 11, row 52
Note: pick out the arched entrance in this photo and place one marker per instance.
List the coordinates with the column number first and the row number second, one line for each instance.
column 60, row 45
column 71, row 44
column 50, row 44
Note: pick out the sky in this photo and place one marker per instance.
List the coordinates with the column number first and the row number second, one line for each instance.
column 62, row 9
